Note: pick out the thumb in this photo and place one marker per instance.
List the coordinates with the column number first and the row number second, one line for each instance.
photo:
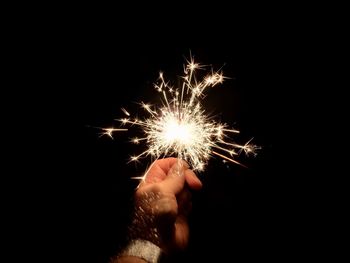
column 175, row 179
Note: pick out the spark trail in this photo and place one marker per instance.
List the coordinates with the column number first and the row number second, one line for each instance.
column 180, row 127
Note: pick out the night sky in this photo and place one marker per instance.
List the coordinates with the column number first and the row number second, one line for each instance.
column 234, row 215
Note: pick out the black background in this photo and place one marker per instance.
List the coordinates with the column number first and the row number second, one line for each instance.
column 234, row 216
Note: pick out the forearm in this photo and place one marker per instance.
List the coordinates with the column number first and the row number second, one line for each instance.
column 144, row 236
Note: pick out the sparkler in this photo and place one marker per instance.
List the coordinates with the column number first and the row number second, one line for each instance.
column 180, row 126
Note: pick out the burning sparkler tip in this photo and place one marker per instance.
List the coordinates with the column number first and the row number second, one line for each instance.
column 180, row 127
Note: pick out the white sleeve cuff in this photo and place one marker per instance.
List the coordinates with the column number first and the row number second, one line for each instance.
column 143, row 249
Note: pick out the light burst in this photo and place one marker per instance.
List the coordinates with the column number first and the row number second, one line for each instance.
column 180, row 127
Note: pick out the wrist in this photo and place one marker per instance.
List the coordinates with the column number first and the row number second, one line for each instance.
column 154, row 219
column 144, row 224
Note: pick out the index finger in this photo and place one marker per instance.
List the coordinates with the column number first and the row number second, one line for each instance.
column 159, row 169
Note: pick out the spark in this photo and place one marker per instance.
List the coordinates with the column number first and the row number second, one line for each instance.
column 180, row 127
column 125, row 112
column 109, row 131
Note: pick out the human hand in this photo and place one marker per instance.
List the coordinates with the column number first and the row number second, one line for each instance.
column 162, row 204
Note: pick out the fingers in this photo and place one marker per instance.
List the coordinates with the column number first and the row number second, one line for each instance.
column 181, row 232
column 155, row 174
column 164, row 164
column 175, row 179
column 184, row 202
column 192, row 180
column 159, row 169
column 169, row 169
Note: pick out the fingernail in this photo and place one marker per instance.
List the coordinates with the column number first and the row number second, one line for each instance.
column 177, row 169
column 185, row 164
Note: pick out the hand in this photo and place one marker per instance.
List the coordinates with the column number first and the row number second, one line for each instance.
column 162, row 204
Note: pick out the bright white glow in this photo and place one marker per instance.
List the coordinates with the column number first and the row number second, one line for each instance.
column 179, row 125
column 175, row 132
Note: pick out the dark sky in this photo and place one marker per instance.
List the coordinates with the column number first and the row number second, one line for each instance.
column 233, row 215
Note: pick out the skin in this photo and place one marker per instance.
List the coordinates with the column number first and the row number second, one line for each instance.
column 164, row 197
